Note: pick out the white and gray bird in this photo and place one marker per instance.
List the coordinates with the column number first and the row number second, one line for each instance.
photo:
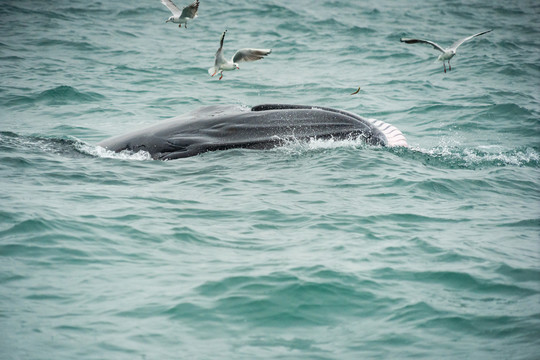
column 448, row 53
column 222, row 64
column 181, row 17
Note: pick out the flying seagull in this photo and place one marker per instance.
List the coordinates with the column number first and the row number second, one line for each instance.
column 223, row 64
column 181, row 17
column 448, row 53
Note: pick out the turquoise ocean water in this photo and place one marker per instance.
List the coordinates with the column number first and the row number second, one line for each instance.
column 313, row 250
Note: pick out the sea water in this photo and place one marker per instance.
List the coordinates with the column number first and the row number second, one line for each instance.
column 312, row 250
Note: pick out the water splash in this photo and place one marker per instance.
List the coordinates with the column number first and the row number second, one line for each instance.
column 476, row 157
column 98, row 151
column 68, row 146
column 298, row 146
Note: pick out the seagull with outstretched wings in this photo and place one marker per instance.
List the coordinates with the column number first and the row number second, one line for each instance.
column 222, row 64
column 448, row 53
column 181, row 17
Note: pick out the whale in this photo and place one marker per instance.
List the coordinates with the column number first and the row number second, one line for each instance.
column 222, row 127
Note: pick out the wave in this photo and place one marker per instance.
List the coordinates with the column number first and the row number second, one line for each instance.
column 141, row 11
column 63, row 93
column 68, row 146
column 89, row 9
column 11, row 142
column 98, row 151
column 361, row 30
column 13, row 58
column 76, row 45
column 282, row 297
column 59, row 95
column 441, row 156
column 32, row 12
column 472, row 158
column 295, row 146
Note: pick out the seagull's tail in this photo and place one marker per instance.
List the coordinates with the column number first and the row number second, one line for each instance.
column 212, row 70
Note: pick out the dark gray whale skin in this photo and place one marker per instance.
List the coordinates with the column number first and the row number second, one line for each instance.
column 223, row 127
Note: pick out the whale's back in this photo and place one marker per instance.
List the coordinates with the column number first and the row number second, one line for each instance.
column 260, row 127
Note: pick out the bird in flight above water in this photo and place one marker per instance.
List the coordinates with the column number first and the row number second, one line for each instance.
column 181, row 17
column 222, row 64
column 448, row 53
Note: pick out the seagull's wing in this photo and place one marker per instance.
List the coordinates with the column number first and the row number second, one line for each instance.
column 250, row 54
column 190, row 11
column 220, row 59
column 170, row 5
column 459, row 42
column 414, row 41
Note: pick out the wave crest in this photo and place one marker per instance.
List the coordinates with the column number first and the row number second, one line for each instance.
column 474, row 158
column 100, row 152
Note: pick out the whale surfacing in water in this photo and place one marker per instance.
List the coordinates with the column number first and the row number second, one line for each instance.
column 222, row 127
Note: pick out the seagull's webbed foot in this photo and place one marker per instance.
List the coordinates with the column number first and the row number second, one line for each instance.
column 444, row 67
column 221, row 77
column 449, row 66
column 180, row 25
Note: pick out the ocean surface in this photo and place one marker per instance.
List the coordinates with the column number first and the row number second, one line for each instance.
column 312, row 250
